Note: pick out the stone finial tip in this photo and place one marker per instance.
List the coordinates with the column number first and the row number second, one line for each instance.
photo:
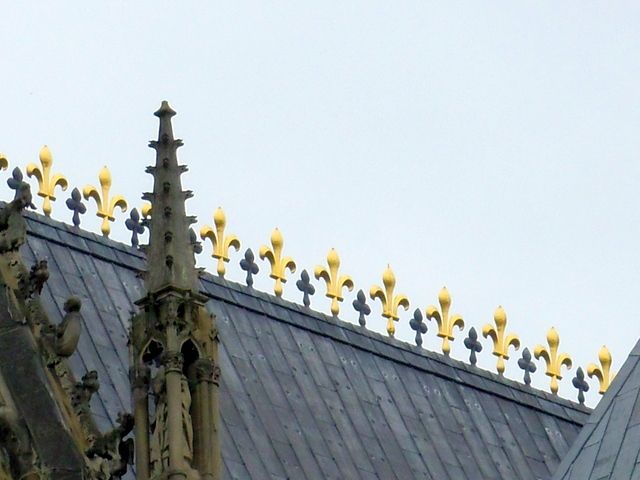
column 165, row 110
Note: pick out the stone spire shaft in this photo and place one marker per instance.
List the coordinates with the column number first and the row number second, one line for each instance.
column 170, row 254
column 173, row 338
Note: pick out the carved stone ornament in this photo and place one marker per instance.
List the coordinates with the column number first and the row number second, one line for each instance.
column 140, row 377
column 110, row 454
column 159, row 444
column 38, row 276
column 172, row 361
column 203, row 370
column 68, row 332
column 13, row 230
column 83, row 391
column 170, row 312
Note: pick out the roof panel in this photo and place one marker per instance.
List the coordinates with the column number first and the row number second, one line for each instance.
column 307, row 396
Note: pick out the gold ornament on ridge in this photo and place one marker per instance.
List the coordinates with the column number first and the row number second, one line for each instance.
column 603, row 372
column 47, row 182
column 104, row 203
column 335, row 283
column 145, row 210
column 279, row 265
column 553, row 359
column 4, row 163
column 501, row 342
column 221, row 242
column 390, row 303
column 444, row 321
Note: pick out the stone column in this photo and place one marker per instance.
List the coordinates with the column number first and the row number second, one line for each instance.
column 140, row 381
column 177, row 443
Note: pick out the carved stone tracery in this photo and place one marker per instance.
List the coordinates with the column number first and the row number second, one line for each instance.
column 110, row 453
column 88, row 453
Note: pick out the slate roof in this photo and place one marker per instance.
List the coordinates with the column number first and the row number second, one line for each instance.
column 609, row 444
column 306, row 396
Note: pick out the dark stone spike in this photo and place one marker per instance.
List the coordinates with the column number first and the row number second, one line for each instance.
column 418, row 325
column 360, row 306
column 580, row 384
column 249, row 265
column 153, row 144
column 169, row 238
column 165, row 111
column 151, row 170
column 135, row 226
column 187, row 194
column 183, row 169
column 15, row 181
column 74, row 203
column 191, row 219
column 473, row 344
column 304, row 285
column 148, row 196
column 526, row 364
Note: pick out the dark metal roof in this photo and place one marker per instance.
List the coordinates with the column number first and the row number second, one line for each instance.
column 306, row 396
column 609, row 444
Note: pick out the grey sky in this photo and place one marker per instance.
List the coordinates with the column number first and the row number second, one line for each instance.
column 492, row 147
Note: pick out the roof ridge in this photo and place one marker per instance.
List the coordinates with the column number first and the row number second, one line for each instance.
column 392, row 343
column 443, row 367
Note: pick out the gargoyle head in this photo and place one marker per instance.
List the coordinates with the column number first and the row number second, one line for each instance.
column 73, row 304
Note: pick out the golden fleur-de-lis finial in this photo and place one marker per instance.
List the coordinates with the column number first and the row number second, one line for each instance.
column 335, row 283
column 553, row 359
column 603, row 372
column 444, row 321
column 501, row 342
column 4, row 163
column 145, row 210
column 279, row 265
column 390, row 303
column 47, row 182
column 106, row 205
column 221, row 242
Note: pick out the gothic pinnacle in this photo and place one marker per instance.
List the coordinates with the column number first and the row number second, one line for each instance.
column 164, row 113
column 171, row 260
column 179, row 439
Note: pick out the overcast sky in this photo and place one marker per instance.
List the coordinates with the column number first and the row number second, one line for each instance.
column 492, row 147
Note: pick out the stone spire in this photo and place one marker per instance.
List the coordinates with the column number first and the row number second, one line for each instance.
column 174, row 341
column 170, row 253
